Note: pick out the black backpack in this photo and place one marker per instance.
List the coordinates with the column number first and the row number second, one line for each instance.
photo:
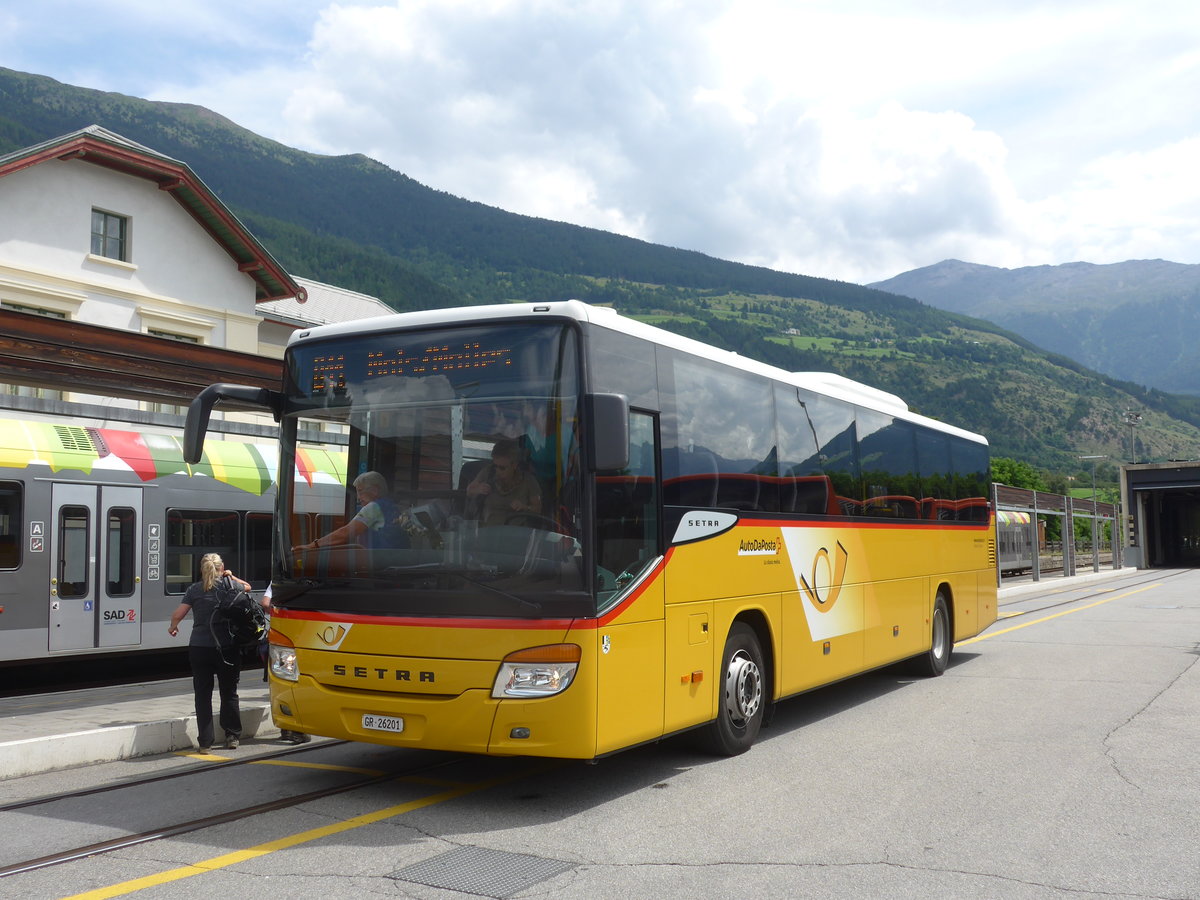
column 239, row 621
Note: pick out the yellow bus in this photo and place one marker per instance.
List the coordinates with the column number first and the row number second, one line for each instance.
column 586, row 533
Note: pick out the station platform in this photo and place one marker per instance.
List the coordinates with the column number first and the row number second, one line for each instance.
column 46, row 732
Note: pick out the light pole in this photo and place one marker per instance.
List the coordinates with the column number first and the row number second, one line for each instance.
column 1095, row 516
column 1132, row 419
column 1092, row 460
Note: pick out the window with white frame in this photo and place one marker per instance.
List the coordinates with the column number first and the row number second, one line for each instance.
column 32, row 310
column 173, row 409
column 172, row 336
column 23, row 390
column 110, row 235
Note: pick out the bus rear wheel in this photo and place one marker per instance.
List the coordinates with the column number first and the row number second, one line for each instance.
column 934, row 661
column 743, row 695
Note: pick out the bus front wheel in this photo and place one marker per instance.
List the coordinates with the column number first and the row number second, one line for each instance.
column 743, row 694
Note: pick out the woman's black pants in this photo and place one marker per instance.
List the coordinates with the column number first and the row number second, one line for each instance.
column 207, row 666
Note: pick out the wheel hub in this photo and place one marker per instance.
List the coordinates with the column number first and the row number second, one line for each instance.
column 743, row 687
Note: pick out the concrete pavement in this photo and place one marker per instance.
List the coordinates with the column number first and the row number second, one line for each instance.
column 46, row 732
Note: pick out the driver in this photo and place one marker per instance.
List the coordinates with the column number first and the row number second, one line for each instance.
column 503, row 489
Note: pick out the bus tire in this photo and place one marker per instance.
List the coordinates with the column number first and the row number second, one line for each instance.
column 934, row 661
column 742, row 700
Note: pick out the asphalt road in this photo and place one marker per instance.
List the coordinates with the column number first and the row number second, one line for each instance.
column 1056, row 758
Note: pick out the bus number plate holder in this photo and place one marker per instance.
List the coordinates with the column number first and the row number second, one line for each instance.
column 394, row 724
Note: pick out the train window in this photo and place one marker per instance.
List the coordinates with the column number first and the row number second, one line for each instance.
column 191, row 534
column 11, row 524
column 256, row 567
column 121, row 539
column 73, row 522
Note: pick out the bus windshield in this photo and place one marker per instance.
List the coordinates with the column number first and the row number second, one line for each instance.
column 437, row 474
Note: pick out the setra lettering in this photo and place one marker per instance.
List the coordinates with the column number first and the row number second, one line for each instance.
column 382, row 674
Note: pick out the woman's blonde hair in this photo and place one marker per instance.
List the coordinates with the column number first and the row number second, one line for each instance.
column 211, row 565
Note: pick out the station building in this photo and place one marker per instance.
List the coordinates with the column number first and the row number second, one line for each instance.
column 126, row 286
column 1162, row 503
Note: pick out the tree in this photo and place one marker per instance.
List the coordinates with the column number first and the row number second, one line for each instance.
column 1016, row 474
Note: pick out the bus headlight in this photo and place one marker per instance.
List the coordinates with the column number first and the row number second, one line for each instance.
column 537, row 671
column 282, row 658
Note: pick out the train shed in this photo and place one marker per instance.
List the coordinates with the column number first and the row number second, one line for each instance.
column 1162, row 501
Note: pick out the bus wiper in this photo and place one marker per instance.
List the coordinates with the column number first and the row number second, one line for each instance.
column 437, row 568
column 295, row 590
column 520, row 601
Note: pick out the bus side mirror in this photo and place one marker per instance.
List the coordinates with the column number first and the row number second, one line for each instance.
column 198, row 413
column 608, row 415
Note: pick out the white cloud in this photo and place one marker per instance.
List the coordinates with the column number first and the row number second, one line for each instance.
column 1131, row 205
column 847, row 139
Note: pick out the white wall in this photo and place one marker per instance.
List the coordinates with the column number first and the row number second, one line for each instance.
column 178, row 278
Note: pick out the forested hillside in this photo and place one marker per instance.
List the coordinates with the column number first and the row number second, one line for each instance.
column 1137, row 320
column 353, row 222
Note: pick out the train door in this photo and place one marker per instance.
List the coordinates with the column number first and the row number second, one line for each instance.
column 95, row 590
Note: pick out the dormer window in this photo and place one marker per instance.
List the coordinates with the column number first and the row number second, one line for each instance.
column 110, row 235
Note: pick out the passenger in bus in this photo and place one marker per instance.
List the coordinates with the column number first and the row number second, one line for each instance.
column 208, row 659
column 503, row 490
column 373, row 522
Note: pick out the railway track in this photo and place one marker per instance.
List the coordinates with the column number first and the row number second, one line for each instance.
column 174, row 828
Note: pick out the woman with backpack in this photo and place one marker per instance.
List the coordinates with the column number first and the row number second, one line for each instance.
column 209, row 660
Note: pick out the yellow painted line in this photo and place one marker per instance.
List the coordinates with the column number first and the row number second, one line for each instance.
column 1009, row 615
column 325, row 767
column 1065, row 612
column 286, row 843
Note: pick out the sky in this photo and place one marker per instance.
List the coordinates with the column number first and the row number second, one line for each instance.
column 849, row 139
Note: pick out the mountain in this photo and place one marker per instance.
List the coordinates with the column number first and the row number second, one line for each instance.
column 353, row 222
column 1137, row 321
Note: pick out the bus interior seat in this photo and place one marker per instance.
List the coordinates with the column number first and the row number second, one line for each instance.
column 808, row 495
column 742, row 492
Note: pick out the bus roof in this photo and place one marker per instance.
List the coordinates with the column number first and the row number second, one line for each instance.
column 827, row 383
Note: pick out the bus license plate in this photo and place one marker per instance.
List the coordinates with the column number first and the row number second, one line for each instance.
column 394, row 724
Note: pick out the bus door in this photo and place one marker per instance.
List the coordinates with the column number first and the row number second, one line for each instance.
column 95, row 588
column 630, row 647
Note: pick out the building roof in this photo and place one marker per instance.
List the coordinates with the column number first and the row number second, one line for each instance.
column 102, row 147
column 325, row 304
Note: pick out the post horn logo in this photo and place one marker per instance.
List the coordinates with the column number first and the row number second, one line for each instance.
column 838, row 572
column 332, row 634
